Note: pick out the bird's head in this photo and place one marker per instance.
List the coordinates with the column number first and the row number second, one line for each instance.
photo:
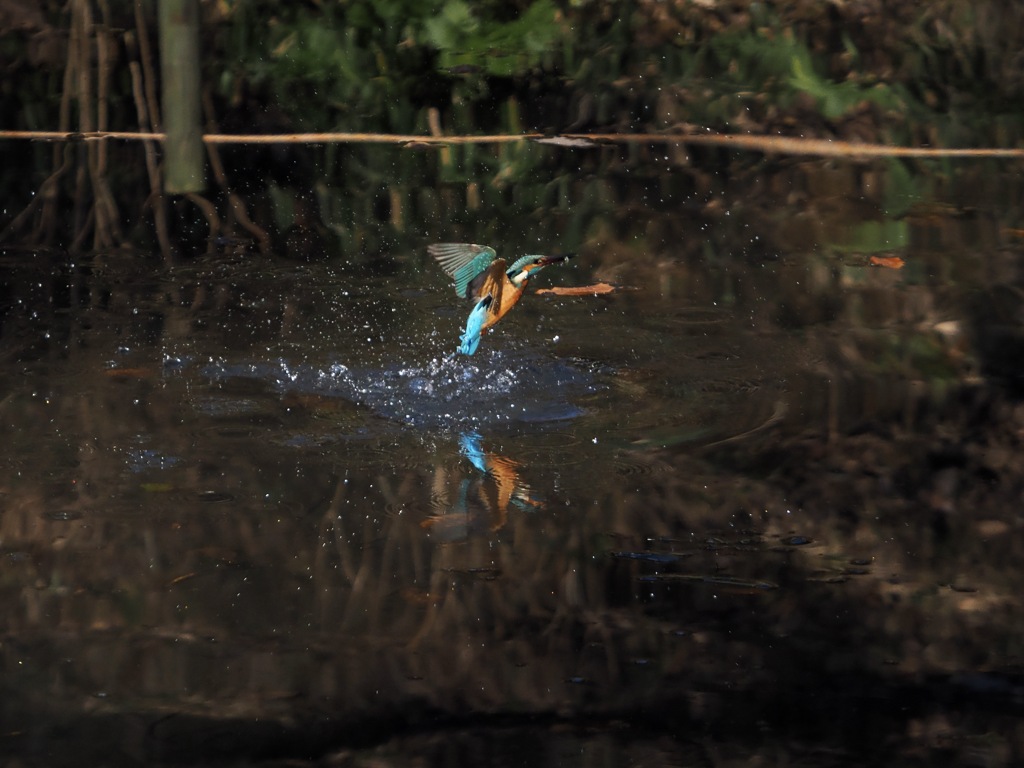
column 523, row 268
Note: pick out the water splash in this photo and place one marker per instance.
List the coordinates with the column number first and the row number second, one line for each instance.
column 450, row 392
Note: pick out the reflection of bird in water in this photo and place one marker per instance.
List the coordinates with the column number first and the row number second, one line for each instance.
column 504, row 472
column 495, row 287
column 499, row 487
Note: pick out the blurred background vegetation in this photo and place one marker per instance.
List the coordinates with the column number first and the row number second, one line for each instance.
column 938, row 74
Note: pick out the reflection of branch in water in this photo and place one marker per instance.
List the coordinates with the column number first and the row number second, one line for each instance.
column 779, row 412
column 777, row 415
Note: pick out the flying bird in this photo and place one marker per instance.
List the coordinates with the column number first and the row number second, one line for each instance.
column 494, row 286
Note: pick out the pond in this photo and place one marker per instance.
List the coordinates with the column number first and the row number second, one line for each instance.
column 761, row 500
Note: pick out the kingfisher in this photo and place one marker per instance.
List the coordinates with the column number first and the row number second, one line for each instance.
column 495, row 287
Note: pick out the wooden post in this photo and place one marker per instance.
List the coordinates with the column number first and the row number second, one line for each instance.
column 179, row 70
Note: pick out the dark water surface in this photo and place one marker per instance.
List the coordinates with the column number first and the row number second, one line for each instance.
column 760, row 505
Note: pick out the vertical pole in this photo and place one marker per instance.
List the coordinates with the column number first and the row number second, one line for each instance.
column 179, row 70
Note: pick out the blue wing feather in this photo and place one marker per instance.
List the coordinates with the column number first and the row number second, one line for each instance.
column 463, row 261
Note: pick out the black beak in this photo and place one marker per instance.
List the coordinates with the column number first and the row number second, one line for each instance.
column 557, row 258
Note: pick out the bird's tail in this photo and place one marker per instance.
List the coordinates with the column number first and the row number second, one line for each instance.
column 469, row 343
column 474, row 326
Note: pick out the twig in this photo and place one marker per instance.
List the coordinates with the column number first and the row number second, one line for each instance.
column 236, row 206
column 793, row 145
column 778, row 145
column 108, row 227
column 146, row 57
column 241, row 215
column 47, row 197
column 152, row 168
column 209, row 212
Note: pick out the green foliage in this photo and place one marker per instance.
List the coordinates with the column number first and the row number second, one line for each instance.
column 903, row 188
column 378, row 65
column 354, row 66
column 834, row 99
column 502, row 49
column 330, row 69
column 872, row 237
column 783, row 67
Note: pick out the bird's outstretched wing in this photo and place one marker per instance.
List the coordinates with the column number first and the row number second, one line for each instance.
column 463, row 261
